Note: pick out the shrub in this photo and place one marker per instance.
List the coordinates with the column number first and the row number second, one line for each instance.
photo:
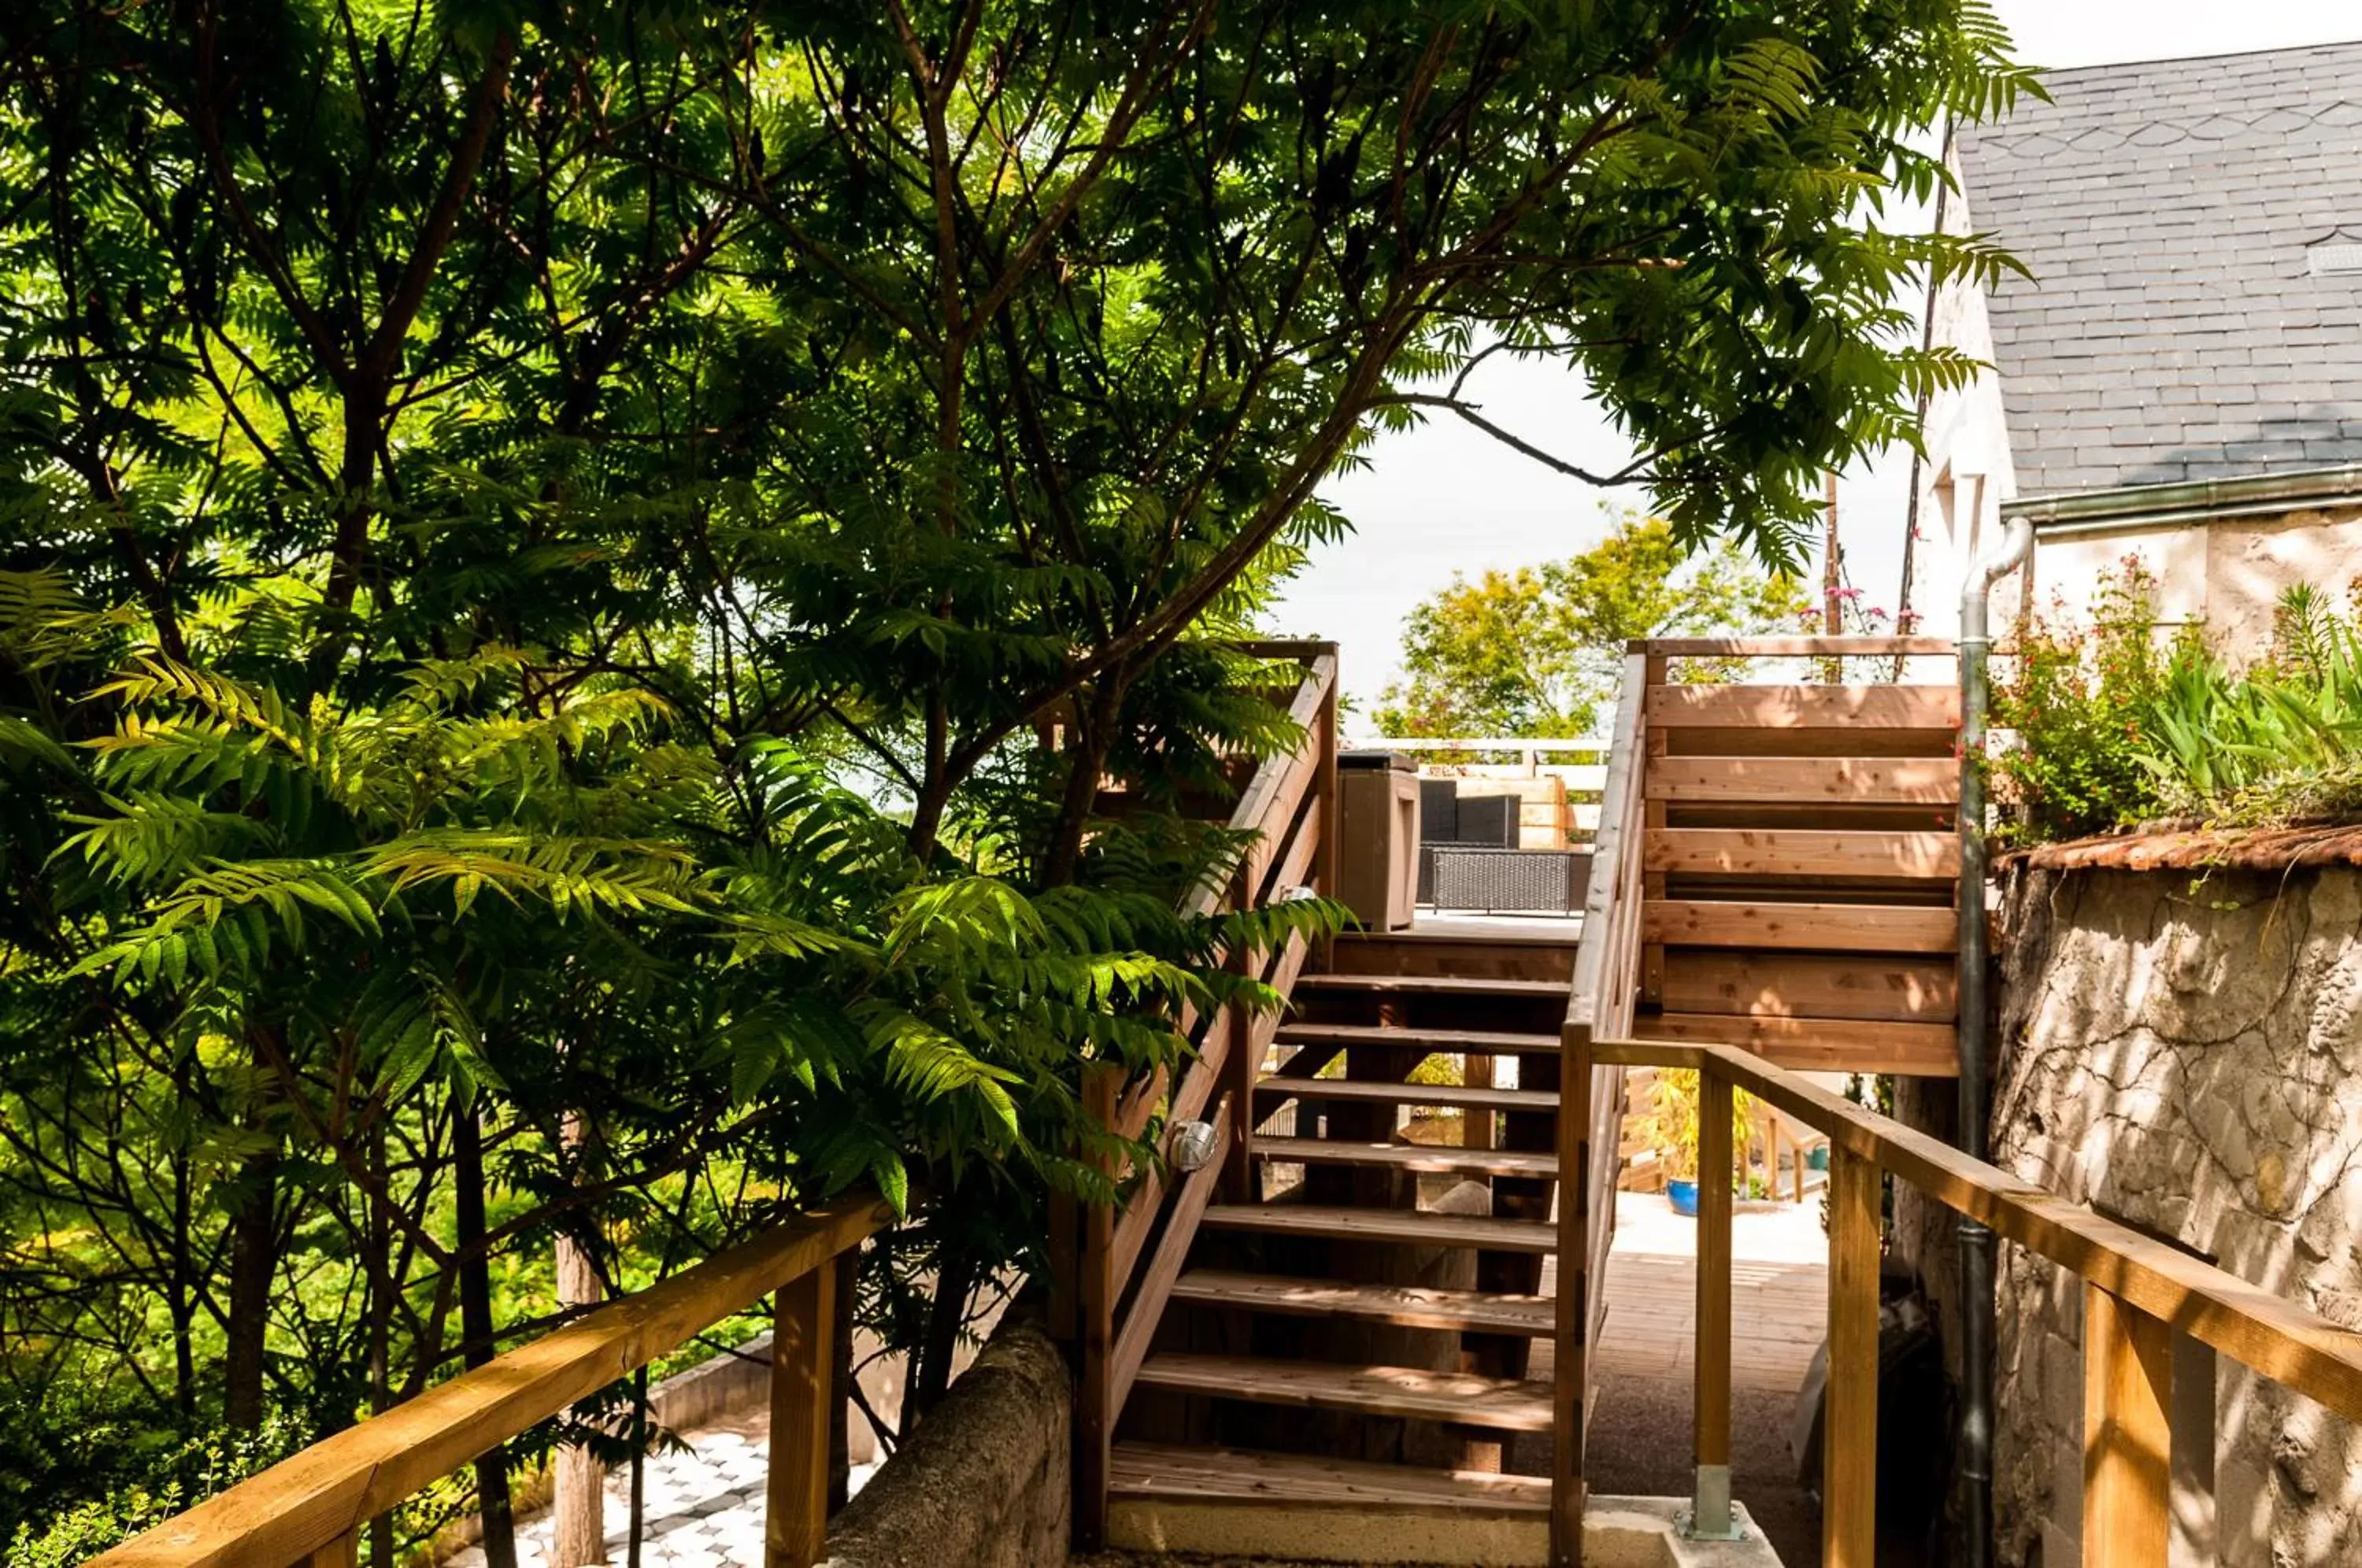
column 1673, row 1123
column 2278, row 742
column 2113, row 727
column 2077, row 702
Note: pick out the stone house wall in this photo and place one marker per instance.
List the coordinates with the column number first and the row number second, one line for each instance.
column 2227, row 573
column 2182, row 1049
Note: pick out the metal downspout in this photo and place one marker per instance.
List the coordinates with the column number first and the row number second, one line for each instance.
column 1976, row 1241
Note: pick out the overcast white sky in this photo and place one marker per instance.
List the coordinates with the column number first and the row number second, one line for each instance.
column 1445, row 498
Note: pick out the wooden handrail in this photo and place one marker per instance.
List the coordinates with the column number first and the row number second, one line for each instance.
column 1156, row 1286
column 318, row 1501
column 1269, row 803
column 1288, row 814
column 1600, row 744
column 1794, row 647
column 2136, row 1290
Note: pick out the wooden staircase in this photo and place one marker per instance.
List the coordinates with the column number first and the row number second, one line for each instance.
column 1356, row 1320
column 1330, row 1334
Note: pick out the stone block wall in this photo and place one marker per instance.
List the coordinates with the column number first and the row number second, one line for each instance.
column 2184, row 1051
column 987, row 1479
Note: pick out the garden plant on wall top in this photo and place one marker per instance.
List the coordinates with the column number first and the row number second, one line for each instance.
column 2116, row 723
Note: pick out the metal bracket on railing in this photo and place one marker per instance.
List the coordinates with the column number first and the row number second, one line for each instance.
column 1709, row 1515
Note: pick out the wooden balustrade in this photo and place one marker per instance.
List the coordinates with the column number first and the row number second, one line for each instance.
column 2138, row 1292
column 1590, row 1112
column 312, row 1508
column 1287, row 813
column 1672, row 750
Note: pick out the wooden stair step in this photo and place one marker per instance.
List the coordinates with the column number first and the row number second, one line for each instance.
column 1463, row 1097
column 1482, row 1042
column 1409, row 1225
column 1434, row 1159
column 1481, row 1311
column 1434, row 985
column 1498, row 1404
column 1177, row 1473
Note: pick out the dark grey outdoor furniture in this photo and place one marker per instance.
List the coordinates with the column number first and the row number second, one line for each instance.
column 1521, row 881
column 1447, row 819
column 1469, row 858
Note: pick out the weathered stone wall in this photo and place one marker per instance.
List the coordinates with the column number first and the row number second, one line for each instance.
column 2184, row 1053
column 985, row 1481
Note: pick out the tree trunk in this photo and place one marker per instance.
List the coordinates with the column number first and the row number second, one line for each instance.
column 954, row 1282
column 927, row 817
column 380, row 1240
column 638, row 1527
column 579, row 1514
column 1087, row 760
column 253, row 1264
column 476, row 1328
column 183, row 1305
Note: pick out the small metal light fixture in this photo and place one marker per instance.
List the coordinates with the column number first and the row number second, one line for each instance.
column 1192, row 1145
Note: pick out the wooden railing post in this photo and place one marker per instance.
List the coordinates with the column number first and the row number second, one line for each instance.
column 2127, row 1432
column 1095, row 1306
column 1710, row 1496
column 1324, row 790
column 1850, row 1411
column 1241, row 1068
column 1658, row 670
column 803, row 1328
column 342, row 1553
column 1572, row 1316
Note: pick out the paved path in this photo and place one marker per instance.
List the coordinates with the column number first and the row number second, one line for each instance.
column 1640, row 1439
column 704, row 1507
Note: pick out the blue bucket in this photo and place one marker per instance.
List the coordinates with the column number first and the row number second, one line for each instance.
column 1684, row 1196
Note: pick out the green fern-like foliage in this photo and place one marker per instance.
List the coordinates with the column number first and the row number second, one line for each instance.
column 571, row 580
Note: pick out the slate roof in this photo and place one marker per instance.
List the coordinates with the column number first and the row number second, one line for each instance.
column 2173, row 329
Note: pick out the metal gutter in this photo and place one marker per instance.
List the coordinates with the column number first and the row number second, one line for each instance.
column 2190, row 501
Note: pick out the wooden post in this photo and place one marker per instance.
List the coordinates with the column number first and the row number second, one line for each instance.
column 1324, row 785
column 1241, row 1070
column 342, row 1553
column 579, row 1498
column 2127, row 1432
column 1710, row 1411
column 1850, row 1414
column 1658, row 671
column 1095, row 1306
column 803, row 1329
column 1476, row 1126
column 1572, row 1314
column 1066, row 1257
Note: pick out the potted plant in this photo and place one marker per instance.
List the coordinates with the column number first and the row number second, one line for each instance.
column 1671, row 1129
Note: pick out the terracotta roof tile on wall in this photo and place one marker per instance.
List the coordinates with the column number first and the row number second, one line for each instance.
column 2201, row 849
column 2175, row 328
